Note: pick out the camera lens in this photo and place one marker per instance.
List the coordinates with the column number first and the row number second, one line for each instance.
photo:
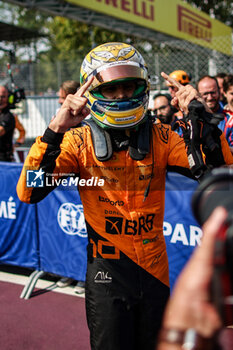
column 215, row 190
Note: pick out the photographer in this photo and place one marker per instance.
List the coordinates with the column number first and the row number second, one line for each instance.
column 7, row 125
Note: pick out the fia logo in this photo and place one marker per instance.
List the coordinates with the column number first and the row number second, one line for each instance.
column 71, row 220
column 35, row 178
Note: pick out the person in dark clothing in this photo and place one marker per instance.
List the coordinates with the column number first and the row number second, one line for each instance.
column 220, row 78
column 7, row 125
column 165, row 113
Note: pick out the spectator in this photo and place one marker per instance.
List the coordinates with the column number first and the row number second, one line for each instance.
column 127, row 280
column 208, row 88
column 183, row 78
column 66, row 88
column 220, row 77
column 190, row 311
column 228, row 109
column 7, row 125
column 228, row 92
column 165, row 112
column 163, row 109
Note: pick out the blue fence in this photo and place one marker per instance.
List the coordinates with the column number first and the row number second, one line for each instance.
column 51, row 235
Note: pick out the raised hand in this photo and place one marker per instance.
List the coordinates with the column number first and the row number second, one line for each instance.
column 184, row 95
column 72, row 111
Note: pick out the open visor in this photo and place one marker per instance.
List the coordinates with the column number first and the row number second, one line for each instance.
column 108, row 73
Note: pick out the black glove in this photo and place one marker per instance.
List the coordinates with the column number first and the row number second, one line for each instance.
column 192, row 139
column 207, row 133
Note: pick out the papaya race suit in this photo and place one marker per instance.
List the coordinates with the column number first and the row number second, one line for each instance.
column 127, row 281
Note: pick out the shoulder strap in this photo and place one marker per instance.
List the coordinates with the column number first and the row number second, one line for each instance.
column 139, row 146
column 101, row 141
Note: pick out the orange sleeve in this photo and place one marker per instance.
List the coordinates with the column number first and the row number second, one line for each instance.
column 177, row 151
column 21, row 130
column 55, row 157
column 226, row 150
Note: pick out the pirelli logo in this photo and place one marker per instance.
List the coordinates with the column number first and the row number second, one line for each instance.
column 195, row 25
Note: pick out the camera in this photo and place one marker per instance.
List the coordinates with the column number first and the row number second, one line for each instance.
column 216, row 190
column 15, row 97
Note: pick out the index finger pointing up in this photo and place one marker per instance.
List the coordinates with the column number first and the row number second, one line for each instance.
column 172, row 81
column 81, row 91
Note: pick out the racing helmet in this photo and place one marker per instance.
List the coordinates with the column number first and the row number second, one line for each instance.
column 111, row 63
column 181, row 76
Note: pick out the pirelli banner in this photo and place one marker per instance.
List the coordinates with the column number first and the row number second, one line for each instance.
column 171, row 17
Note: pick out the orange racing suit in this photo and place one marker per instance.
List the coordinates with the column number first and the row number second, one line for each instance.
column 120, row 221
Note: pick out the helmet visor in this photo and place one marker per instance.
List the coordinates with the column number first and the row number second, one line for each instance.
column 118, row 71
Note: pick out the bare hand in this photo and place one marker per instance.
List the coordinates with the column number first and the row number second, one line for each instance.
column 190, row 305
column 72, row 111
column 184, row 95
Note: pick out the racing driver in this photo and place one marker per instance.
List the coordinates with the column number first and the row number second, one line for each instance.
column 127, row 281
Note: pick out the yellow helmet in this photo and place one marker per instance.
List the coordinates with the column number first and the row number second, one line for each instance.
column 181, row 76
column 110, row 63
